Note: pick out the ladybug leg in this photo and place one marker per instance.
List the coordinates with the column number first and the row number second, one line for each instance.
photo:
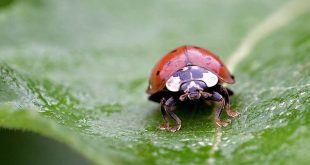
column 225, row 92
column 177, row 120
column 229, row 91
column 167, row 107
column 218, row 97
column 183, row 97
column 205, row 94
column 164, row 113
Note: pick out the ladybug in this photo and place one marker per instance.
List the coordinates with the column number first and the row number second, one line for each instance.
column 190, row 73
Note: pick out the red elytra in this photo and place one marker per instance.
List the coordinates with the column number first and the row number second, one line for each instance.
column 181, row 57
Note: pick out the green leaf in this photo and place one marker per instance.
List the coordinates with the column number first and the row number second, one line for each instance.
column 76, row 71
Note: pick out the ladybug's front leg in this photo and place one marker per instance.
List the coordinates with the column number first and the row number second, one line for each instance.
column 164, row 113
column 218, row 97
column 226, row 94
column 166, row 108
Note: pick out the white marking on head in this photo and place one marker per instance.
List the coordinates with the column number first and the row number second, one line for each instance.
column 210, row 79
column 173, row 84
column 191, row 85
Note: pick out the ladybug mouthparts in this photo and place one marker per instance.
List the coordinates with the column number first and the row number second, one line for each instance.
column 194, row 95
column 192, row 89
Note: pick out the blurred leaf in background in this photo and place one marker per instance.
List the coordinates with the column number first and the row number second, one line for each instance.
column 19, row 147
column 76, row 72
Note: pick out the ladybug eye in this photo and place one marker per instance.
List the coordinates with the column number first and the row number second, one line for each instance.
column 210, row 79
column 173, row 84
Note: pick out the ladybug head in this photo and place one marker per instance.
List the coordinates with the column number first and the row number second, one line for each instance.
column 191, row 81
column 193, row 89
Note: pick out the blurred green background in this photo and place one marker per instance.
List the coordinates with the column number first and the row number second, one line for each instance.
column 73, row 75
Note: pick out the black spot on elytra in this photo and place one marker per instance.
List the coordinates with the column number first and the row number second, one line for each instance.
column 208, row 60
column 157, row 73
column 233, row 77
column 173, row 51
column 196, row 47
